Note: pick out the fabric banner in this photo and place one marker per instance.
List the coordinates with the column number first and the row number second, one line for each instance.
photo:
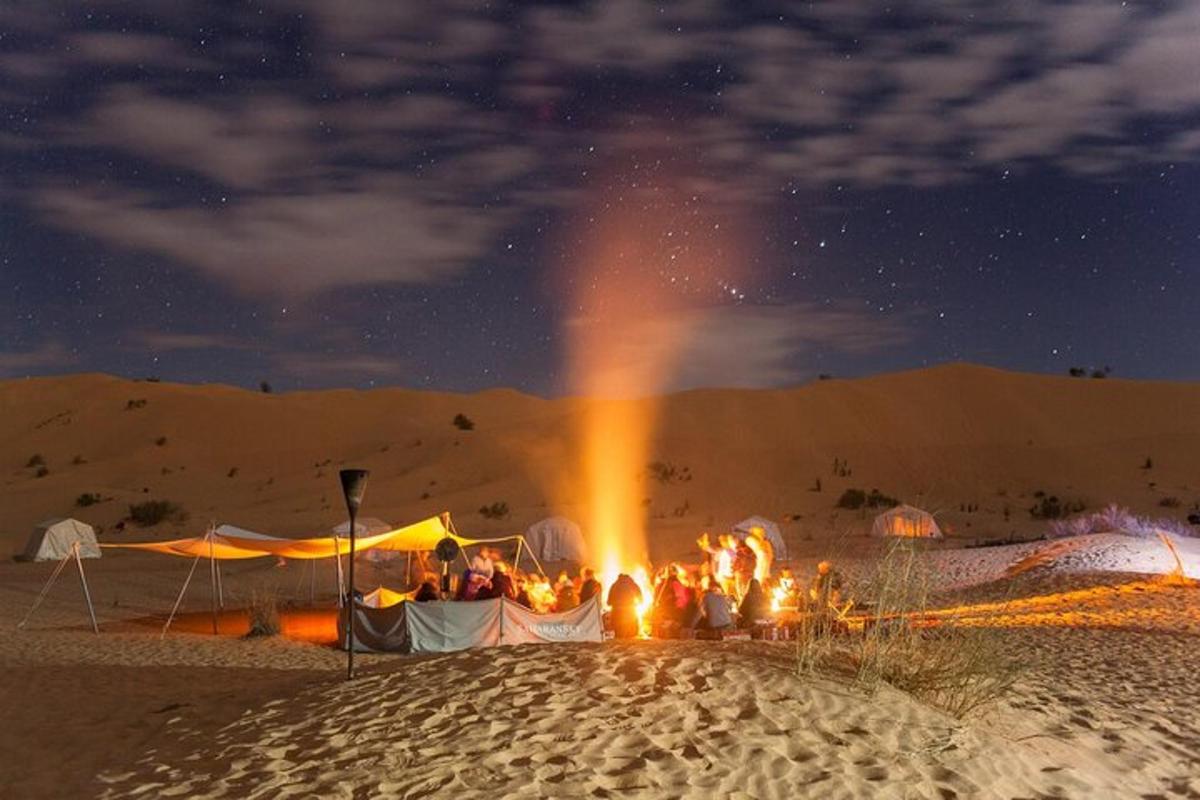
column 522, row 626
column 378, row 630
column 444, row 627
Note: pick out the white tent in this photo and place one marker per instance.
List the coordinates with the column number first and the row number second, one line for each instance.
column 53, row 539
column 906, row 521
column 556, row 539
column 769, row 528
column 364, row 526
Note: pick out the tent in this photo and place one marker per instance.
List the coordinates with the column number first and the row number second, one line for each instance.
column 54, row 539
column 444, row 627
column 367, row 526
column 906, row 521
column 556, row 539
column 769, row 528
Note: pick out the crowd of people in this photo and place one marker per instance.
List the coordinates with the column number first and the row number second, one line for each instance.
column 732, row 586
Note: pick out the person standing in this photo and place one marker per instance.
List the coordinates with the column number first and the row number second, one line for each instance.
column 623, row 599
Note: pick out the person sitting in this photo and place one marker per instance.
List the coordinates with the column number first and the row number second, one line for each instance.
column 623, row 599
column 522, row 597
column 826, row 591
column 714, row 609
column 565, row 596
column 590, row 587
column 474, row 586
column 755, row 607
column 501, row 585
column 484, row 562
column 428, row 590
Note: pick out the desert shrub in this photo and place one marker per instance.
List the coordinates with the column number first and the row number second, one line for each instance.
column 78, row 460
column 911, row 646
column 1115, row 519
column 233, row 471
column 1170, row 502
column 35, row 460
column 1148, row 463
column 131, row 405
column 1077, row 372
column 161, row 441
column 666, row 472
column 265, row 387
column 497, row 510
column 264, row 614
column 152, row 512
column 1050, row 507
column 42, row 471
column 463, row 422
column 856, row 498
column 88, row 499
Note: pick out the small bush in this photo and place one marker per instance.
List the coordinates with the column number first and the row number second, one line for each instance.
column 666, row 472
column 1170, row 502
column 233, row 471
column 265, row 387
column 35, row 460
column 42, row 472
column 161, row 441
column 1050, row 507
column 78, row 460
column 854, row 499
column 1148, row 463
column 152, row 512
column 88, row 499
column 264, row 614
column 130, row 405
column 463, row 422
column 497, row 510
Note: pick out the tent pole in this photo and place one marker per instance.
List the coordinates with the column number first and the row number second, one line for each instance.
column 408, row 571
column 86, row 594
column 337, row 546
column 45, row 589
column 212, row 579
column 517, row 557
column 312, row 582
column 541, row 571
column 187, row 581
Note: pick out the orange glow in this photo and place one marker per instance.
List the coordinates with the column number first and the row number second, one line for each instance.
column 648, row 258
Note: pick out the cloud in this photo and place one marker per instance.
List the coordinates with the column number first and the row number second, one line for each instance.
column 164, row 341
column 742, row 346
column 401, row 146
column 48, row 356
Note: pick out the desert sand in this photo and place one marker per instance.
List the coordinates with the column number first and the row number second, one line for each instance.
column 1107, row 704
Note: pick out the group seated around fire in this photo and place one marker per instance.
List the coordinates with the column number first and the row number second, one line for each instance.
column 731, row 587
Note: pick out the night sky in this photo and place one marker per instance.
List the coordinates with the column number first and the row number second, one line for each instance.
column 387, row 193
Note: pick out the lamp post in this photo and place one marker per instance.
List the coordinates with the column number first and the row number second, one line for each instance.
column 354, row 484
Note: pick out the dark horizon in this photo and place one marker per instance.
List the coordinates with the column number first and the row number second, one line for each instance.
column 320, row 196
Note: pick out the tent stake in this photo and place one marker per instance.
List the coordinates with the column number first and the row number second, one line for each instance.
column 86, row 594
column 45, row 589
column 178, row 600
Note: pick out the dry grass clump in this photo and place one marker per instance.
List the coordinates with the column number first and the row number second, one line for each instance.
column 264, row 614
column 954, row 667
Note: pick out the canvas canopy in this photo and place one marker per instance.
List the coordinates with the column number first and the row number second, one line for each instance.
column 228, row 542
column 770, row 529
column 908, row 522
column 54, row 539
column 443, row 627
column 556, row 539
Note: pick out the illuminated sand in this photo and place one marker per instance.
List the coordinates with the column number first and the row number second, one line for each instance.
column 1108, row 708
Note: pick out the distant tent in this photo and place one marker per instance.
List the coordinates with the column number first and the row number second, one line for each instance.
column 556, row 539
column 906, row 521
column 53, row 539
column 770, row 529
column 366, row 526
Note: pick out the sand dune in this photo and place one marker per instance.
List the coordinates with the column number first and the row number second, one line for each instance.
column 943, row 438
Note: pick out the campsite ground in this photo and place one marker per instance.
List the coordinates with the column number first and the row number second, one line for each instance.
column 1107, row 706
